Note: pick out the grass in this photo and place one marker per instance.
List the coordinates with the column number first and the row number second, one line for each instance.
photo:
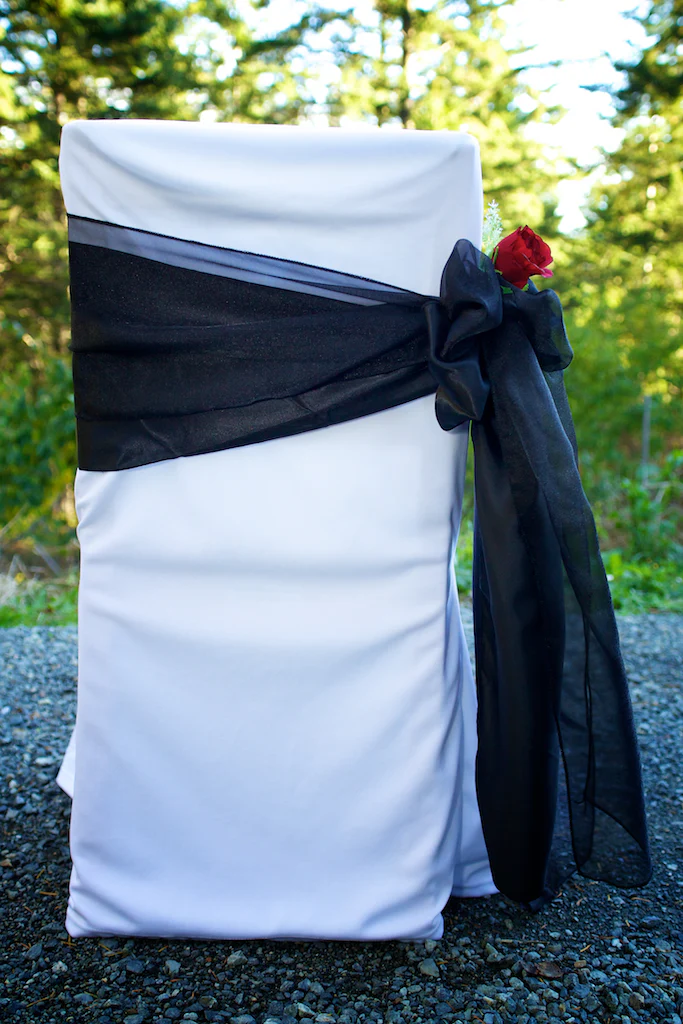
column 643, row 586
column 33, row 602
column 637, row 585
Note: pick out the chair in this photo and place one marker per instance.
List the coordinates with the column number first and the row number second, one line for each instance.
column 276, row 724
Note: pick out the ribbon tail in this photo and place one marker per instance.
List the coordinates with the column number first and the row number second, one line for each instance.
column 558, row 773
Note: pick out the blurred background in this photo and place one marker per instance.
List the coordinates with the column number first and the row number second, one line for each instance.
column 577, row 105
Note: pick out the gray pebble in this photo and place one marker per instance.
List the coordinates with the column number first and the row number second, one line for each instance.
column 237, row 959
column 430, row 968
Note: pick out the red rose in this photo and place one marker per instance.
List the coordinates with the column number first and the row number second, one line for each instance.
column 521, row 255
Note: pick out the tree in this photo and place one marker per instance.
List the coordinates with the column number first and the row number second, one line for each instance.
column 441, row 64
column 626, row 293
column 65, row 59
column 655, row 81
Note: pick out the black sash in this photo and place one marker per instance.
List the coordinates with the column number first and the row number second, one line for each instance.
column 181, row 348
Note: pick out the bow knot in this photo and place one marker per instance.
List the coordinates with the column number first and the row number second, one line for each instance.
column 474, row 301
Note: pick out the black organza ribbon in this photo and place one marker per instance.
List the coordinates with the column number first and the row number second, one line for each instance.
column 550, row 680
column 181, row 348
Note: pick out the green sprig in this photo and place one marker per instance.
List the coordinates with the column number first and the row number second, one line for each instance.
column 493, row 228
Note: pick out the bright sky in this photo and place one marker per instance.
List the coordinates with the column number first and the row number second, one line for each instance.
column 586, row 35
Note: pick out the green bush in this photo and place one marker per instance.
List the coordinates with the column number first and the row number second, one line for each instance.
column 644, row 586
column 39, row 445
column 649, row 513
column 644, row 521
column 34, row 603
column 463, row 557
column 640, row 524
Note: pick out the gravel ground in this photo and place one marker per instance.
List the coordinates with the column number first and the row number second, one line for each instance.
column 595, row 954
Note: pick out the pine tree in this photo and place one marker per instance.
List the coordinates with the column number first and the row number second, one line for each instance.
column 65, row 59
column 655, row 81
column 442, row 65
column 627, row 291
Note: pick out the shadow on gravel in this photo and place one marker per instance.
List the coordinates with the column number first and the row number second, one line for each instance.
column 595, row 954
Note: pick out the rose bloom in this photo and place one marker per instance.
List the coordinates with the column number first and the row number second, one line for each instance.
column 521, row 255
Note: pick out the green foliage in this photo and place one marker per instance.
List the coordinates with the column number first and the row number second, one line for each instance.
column 640, row 523
column 622, row 281
column 464, row 556
column 650, row 514
column 644, row 586
column 107, row 59
column 39, row 448
column 494, row 230
column 34, row 603
column 636, row 585
column 640, row 526
column 656, row 79
column 644, row 520
column 104, row 59
column 442, row 65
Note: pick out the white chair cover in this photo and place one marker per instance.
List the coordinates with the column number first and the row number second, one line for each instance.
column 276, row 713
